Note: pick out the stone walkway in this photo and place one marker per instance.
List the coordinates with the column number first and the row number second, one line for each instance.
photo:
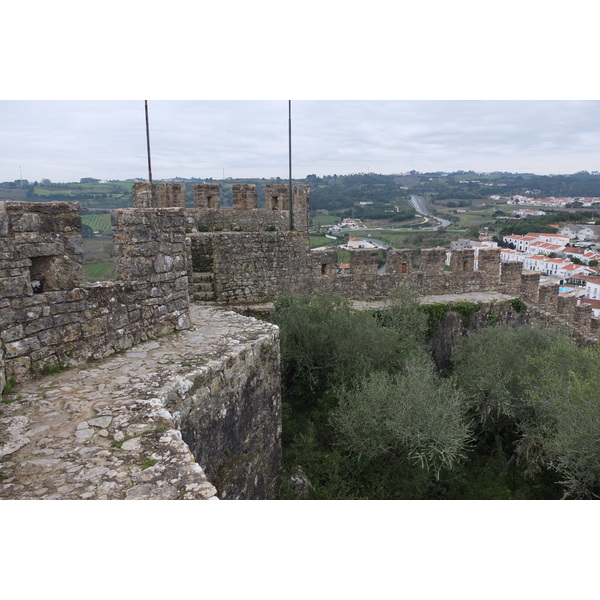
column 266, row 307
column 102, row 431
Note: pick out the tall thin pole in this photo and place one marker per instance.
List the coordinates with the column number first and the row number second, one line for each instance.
column 149, row 162
column 290, row 155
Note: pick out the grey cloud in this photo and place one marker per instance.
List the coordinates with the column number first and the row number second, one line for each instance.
column 68, row 140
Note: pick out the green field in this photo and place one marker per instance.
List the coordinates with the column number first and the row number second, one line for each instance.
column 104, row 271
column 413, row 239
column 319, row 220
column 44, row 192
column 97, row 249
column 98, row 222
column 91, row 195
column 317, row 241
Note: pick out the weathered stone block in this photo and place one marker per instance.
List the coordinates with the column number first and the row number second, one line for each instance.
column 17, row 369
column 11, row 287
column 20, row 347
column 42, row 249
column 3, row 224
column 163, row 263
column 12, row 333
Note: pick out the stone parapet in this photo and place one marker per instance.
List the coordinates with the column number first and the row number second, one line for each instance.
column 149, row 243
column 399, row 262
column 277, row 196
column 144, row 195
column 207, row 195
column 265, row 266
column 324, row 262
column 168, row 420
column 230, row 417
column 583, row 317
column 530, row 283
column 489, row 265
column 548, row 298
column 53, row 330
column 171, row 195
column 234, row 219
column 432, row 259
column 60, row 322
column 41, row 247
column 2, row 373
column 208, row 215
column 364, row 261
column 245, row 196
column 462, row 259
column 510, row 277
column 566, row 307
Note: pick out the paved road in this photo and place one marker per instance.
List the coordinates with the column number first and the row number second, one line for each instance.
column 419, row 205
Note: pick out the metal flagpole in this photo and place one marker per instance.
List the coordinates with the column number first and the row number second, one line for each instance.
column 154, row 203
column 290, row 155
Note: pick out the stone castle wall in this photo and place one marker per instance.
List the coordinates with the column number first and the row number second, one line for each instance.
column 230, row 416
column 228, row 410
column 252, row 267
column 244, row 215
column 255, row 267
column 367, row 280
column 49, row 319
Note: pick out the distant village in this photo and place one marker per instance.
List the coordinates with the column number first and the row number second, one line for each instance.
column 550, row 202
column 569, row 257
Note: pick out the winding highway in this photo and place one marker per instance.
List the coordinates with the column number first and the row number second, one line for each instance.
column 419, row 205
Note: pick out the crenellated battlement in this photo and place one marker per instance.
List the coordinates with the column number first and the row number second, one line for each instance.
column 242, row 254
column 207, row 213
column 50, row 319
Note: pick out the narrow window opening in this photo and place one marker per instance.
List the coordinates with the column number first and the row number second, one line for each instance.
column 36, row 275
column 98, row 248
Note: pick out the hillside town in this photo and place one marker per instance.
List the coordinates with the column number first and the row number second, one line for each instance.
column 551, row 202
column 561, row 257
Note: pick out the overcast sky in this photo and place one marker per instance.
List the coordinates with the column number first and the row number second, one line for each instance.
column 67, row 140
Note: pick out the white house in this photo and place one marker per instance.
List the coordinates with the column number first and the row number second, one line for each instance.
column 572, row 270
column 520, row 242
column 527, row 212
column 580, row 232
column 551, row 238
column 459, row 244
column 510, row 255
column 592, row 288
column 540, row 247
column 352, row 224
column 582, row 254
column 355, row 242
column 545, row 265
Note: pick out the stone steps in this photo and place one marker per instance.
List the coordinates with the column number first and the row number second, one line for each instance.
column 202, row 287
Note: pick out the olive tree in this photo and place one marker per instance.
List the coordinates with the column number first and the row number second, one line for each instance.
column 566, row 395
column 535, row 393
column 415, row 413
